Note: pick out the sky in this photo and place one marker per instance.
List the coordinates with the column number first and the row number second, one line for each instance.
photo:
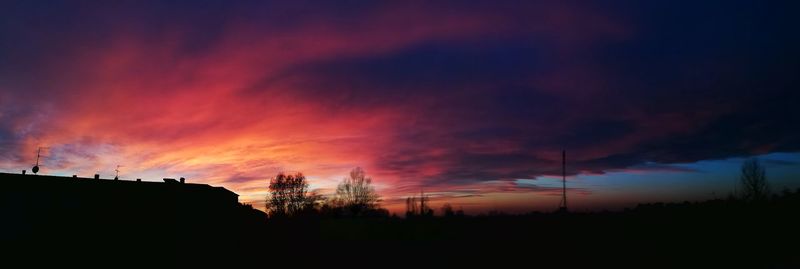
column 471, row 102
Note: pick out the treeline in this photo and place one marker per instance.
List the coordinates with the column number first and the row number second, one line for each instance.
column 355, row 196
column 289, row 197
column 419, row 207
column 785, row 200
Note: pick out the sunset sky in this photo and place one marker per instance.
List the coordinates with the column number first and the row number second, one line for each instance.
column 470, row 101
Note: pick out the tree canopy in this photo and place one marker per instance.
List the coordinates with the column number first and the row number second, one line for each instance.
column 355, row 194
column 753, row 181
column 289, row 195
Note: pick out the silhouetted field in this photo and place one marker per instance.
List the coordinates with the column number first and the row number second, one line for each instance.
column 715, row 234
column 81, row 221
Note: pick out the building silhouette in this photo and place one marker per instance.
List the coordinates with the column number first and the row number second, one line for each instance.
column 36, row 205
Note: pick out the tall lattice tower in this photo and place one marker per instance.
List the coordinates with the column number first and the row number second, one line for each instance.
column 563, row 207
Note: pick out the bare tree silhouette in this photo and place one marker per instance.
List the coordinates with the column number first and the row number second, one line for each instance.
column 753, row 181
column 289, row 195
column 355, row 194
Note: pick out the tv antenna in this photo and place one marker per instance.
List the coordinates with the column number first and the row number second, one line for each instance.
column 116, row 177
column 563, row 207
column 35, row 168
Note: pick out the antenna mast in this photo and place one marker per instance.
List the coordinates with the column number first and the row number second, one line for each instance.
column 564, row 181
column 116, row 177
column 422, row 201
column 35, row 168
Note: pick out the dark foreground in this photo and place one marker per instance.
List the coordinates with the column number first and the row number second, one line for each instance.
column 76, row 222
column 714, row 234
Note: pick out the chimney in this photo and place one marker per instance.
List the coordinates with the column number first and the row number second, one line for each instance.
column 74, row 176
column 138, row 180
column 96, row 176
column 23, row 172
column 183, row 180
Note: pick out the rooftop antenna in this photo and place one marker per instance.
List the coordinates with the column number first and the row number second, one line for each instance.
column 35, row 168
column 563, row 207
column 116, row 177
